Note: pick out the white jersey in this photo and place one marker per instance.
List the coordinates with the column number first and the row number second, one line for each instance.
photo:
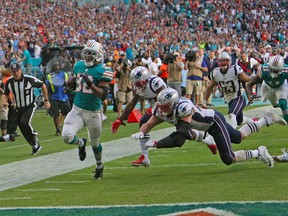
column 202, row 119
column 229, row 82
column 150, row 92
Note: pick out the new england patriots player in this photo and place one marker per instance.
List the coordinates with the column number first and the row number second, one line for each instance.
column 186, row 116
column 229, row 78
column 148, row 86
column 92, row 86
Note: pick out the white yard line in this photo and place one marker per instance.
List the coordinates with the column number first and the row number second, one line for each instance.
column 42, row 167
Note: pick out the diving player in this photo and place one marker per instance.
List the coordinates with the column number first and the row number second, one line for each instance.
column 186, row 117
column 148, row 86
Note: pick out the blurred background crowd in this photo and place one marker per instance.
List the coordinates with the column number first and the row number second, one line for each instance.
column 140, row 32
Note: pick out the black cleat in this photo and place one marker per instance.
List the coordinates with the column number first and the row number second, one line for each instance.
column 35, row 151
column 82, row 152
column 12, row 137
column 99, row 173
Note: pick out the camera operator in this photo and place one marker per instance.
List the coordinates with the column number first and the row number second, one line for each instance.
column 175, row 67
column 124, row 93
column 194, row 76
column 119, row 61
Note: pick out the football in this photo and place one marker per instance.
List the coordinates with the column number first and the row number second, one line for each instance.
column 71, row 83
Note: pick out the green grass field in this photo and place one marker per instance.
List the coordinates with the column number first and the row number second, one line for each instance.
column 190, row 174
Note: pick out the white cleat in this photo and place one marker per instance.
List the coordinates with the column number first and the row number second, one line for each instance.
column 271, row 118
column 265, row 157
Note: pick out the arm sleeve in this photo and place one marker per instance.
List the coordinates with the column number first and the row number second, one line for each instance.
column 177, row 139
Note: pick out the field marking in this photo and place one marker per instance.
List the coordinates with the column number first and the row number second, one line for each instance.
column 15, row 198
column 66, row 182
column 145, row 205
column 208, row 210
column 43, row 189
column 15, row 174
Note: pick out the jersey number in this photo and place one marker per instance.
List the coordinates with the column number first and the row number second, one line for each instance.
column 228, row 87
column 82, row 86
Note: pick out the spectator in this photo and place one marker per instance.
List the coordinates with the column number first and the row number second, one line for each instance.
column 175, row 72
column 24, row 56
column 124, row 84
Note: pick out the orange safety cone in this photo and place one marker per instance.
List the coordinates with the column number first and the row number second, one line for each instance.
column 134, row 116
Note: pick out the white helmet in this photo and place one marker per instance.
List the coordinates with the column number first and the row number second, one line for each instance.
column 139, row 77
column 166, row 100
column 224, row 60
column 276, row 65
column 93, row 53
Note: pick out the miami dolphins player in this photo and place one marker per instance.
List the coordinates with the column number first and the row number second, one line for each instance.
column 275, row 87
column 186, row 117
column 148, row 86
column 92, row 86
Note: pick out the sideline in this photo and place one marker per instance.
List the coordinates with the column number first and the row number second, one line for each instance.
column 42, row 167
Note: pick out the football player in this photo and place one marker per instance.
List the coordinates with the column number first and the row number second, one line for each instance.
column 92, row 86
column 275, row 87
column 148, row 86
column 186, row 117
column 229, row 78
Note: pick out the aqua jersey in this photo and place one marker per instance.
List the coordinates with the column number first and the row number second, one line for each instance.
column 84, row 97
column 274, row 82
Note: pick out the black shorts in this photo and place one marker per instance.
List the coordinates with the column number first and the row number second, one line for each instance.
column 59, row 106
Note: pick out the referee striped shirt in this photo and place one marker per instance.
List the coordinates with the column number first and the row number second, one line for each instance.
column 23, row 90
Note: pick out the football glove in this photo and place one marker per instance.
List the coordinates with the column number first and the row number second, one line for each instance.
column 148, row 111
column 137, row 136
column 151, row 144
column 116, row 124
column 86, row 79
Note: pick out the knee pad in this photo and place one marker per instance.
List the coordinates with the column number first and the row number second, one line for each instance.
column 282, row 104
column 69, row 139
column 97, row 149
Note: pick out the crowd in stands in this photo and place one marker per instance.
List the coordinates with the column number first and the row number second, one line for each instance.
column 159, row 27
column 145, row 31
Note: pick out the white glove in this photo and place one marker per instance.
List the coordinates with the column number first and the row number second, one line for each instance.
column 137, row 136
column 208, row 140
column 151, row 144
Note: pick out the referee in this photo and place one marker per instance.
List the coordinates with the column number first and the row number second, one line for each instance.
column 22, row 87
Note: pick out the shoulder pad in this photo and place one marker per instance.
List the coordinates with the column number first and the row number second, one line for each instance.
column 155, row 83
column 239, row 69
column 184, row 108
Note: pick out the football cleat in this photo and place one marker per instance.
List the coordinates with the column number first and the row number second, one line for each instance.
column 82, row 151
column 213, row 148
column 283, row 157
column 141, row 161
column 265, row 157
column 35, row 151
column 99, row 173
column 272, row 118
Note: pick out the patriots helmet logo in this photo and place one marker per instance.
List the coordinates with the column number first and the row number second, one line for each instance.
column 138, row 74
column 168, row 95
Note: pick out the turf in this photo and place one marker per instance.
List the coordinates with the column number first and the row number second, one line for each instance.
column 179, row 175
